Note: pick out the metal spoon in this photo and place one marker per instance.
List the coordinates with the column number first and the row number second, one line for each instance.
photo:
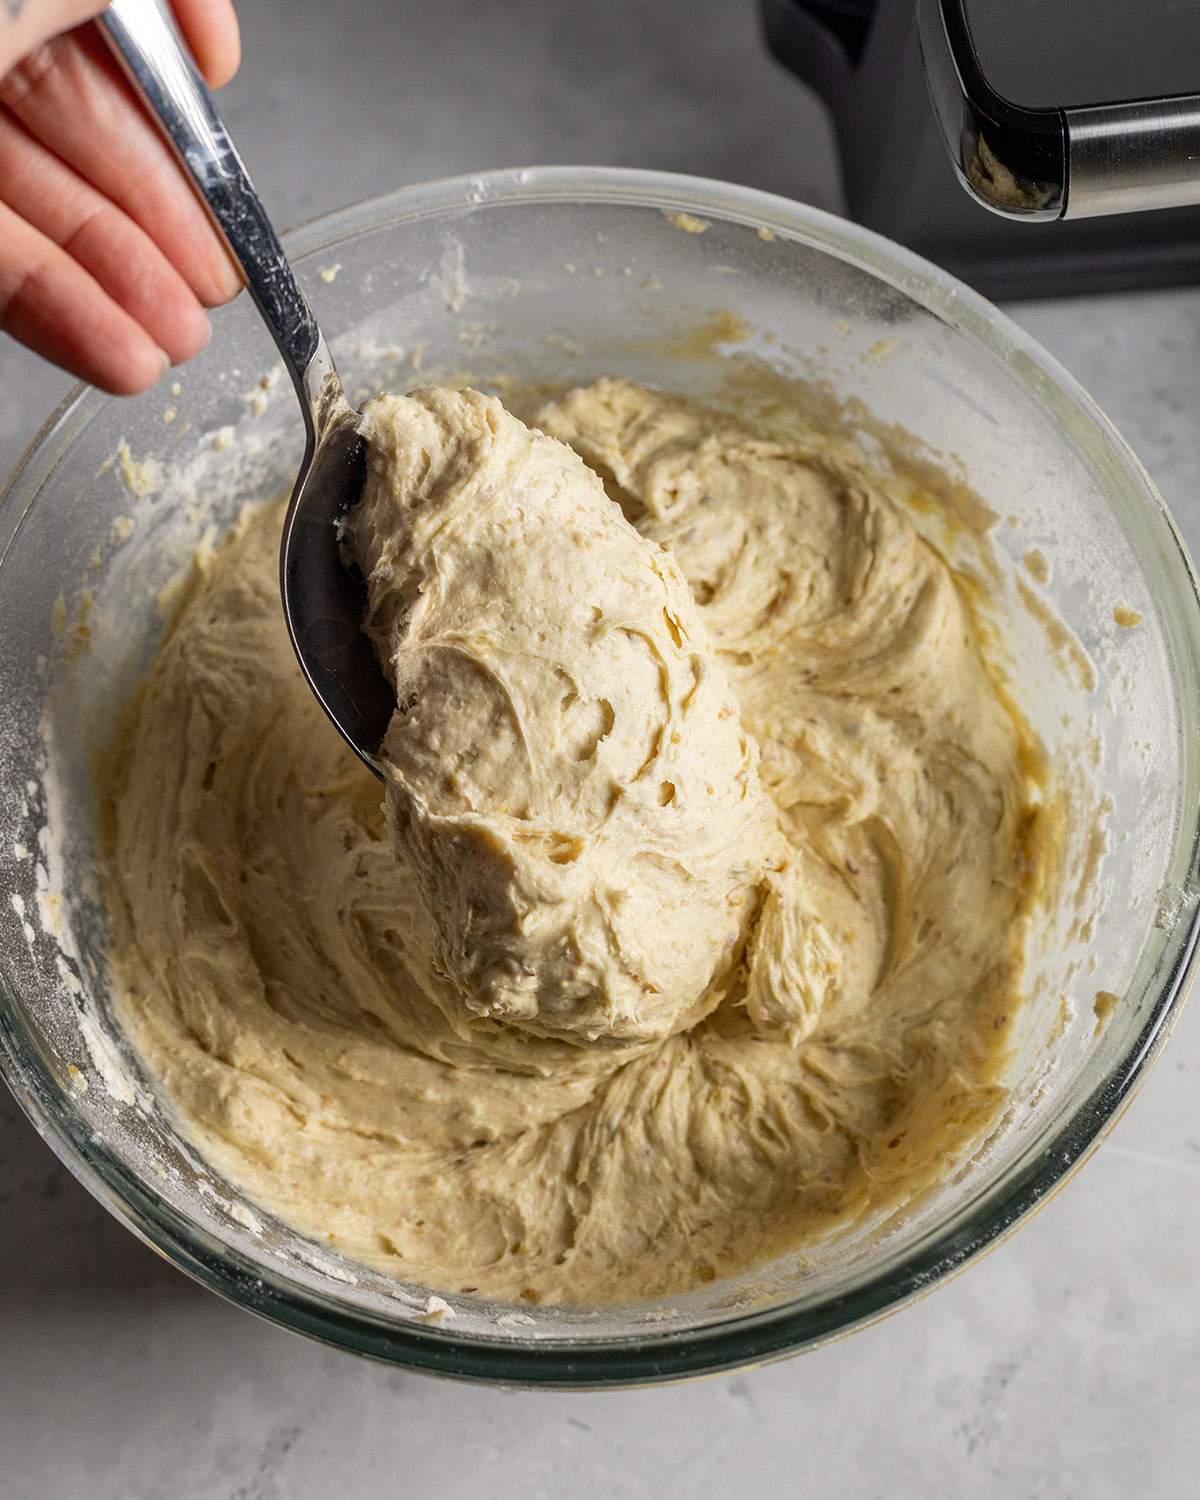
column 323, row 601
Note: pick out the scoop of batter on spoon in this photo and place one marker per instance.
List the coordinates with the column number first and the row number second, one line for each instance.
column 567, row 776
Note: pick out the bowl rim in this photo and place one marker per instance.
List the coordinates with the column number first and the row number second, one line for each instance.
column 646, row 1357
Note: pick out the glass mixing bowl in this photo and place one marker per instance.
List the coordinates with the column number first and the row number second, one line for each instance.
column 557, row 276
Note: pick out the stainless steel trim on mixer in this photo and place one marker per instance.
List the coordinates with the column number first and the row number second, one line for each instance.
column 1124, row 158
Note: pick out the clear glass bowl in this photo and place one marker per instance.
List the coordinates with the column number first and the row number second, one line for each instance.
column 559, row 275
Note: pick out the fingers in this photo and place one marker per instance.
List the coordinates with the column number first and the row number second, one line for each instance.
column 211, row 30
column 70, row 97
column 51, row 304
column 210, row 27
column 117, row 254
column 106, row 255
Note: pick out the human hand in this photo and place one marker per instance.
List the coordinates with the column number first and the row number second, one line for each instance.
column 107, row 259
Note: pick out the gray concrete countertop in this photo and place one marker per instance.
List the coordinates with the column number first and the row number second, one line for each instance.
column 1065, row 1364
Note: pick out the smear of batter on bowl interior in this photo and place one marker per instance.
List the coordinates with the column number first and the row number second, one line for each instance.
column 692, row 926
column 689, row 223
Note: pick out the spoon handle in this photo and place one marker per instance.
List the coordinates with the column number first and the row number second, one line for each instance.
column 149, row 47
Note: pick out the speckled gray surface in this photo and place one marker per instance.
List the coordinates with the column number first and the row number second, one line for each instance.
column 1065, row 1364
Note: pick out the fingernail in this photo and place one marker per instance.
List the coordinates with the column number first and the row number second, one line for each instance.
column 166, row 363
column 193, row 333
column 228, row 279
column 203, row 334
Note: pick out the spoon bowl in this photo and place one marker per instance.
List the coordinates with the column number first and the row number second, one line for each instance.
column 324, row 598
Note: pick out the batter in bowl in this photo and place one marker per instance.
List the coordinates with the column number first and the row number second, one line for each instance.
column 695, row 916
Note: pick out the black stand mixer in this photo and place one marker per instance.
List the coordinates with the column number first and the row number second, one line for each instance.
column 1073, row 125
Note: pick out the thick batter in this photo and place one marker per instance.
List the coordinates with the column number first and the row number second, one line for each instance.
column 695, row 916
